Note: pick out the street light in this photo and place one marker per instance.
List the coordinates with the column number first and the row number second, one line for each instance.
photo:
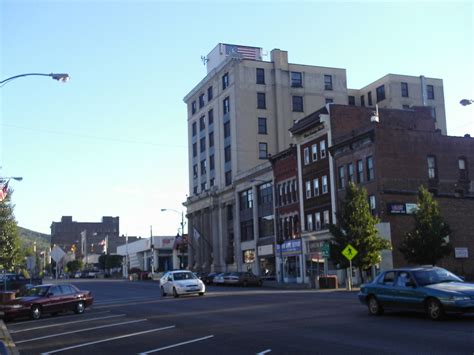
column 182, row 230
column 17, row 178
column 466, row 102
column 62, row 77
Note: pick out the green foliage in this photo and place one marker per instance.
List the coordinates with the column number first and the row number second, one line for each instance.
column 110, row 261
column 356, row 226
column 9, row 239
column 74, row 266
column 428, row 242
column 29, row 237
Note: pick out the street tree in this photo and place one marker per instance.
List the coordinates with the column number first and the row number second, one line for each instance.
column 429, row 240
column 356, row 226
column 9, row 237
column 74, row 266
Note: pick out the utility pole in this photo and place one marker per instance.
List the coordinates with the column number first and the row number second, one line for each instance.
column 152, row 253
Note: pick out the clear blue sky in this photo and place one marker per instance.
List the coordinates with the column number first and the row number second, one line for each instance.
column 112, row 141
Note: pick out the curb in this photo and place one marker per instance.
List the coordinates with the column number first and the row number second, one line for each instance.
column 7, row 346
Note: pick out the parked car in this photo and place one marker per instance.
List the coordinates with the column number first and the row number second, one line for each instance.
column 181, row 282
column 207, row 277
column 17, row 281
column 219, row 278
column 43, row 299
column 243, row 279
column 433, row 290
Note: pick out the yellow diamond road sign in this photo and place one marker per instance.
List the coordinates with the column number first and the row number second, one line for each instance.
column 349, row 252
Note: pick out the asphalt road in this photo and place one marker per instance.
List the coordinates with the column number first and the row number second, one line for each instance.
column 131, row 317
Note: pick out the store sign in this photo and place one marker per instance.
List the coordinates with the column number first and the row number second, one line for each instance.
column 290, row 247
column 461, row 253
column 265, row 250
column 396, row 208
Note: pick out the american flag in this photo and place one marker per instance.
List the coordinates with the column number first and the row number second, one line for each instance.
column 4, row 191
column 242, row 52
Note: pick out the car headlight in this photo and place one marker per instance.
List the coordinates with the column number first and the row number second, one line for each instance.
column 460, row 298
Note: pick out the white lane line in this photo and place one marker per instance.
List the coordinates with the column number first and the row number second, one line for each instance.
column 65, row 323
column 264, row 352
column 79, row 331
column 62, row 317
column 175, row 345
column 109, row 339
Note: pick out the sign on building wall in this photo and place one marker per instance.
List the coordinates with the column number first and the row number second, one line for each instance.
column 290, row 248
column 461, row 253
column 401, row 208
column 265, row 250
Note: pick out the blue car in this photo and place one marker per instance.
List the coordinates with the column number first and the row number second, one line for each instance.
column 433, row 290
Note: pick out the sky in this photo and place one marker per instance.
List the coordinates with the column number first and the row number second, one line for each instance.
column 113, row 140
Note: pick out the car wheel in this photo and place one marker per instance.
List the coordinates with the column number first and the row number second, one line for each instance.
column 434, row 309
column 163, row 293
column 201, row 293
column 374, row 306
column 175, row 293
column 35, row 312
column 80, row 307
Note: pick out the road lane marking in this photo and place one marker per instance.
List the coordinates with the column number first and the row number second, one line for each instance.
column 122, row 300
column 176, row 345
column 78, row 331
column 62, row 317
column 264, row 352
column 109, row 339
column 66, row 323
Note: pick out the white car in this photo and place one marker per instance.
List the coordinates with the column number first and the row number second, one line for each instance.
column 181, row 282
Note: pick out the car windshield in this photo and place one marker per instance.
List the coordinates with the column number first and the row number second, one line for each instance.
column 36, row 291
column 184, row 276
column 434, row 276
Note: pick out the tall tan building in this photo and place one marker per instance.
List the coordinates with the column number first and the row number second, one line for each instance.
column 238, row 116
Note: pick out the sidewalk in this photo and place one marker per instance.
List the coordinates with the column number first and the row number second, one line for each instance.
column 7, row 346
column 304, row 286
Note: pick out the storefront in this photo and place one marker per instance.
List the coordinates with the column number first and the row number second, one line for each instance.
column 266, row 260
column 290, row 254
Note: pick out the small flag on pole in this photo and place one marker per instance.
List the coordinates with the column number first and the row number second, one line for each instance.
column 4, row 191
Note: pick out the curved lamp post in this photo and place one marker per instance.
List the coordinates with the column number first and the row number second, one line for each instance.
column 182, row 230
column 62, row 77
column 466, row 102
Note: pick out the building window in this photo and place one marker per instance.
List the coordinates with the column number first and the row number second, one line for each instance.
column 463, row 175
column 369, row 98
column 225, row 81
column 431, row 167
column 262, row 150
column 202, row 123
column 352, row 100
column 314, row 151
column 195, row 171
column 210, row 94
column 211, row 182
column 360, row 171
column 404, row 87
column 308, row 189
column 341, row 177
column 322, row 149
column 194, row 127
column 202, row 144
column 260, row 76
column 350, row 172
column 227, row 129
column 309, row 221
column 246, row 199
column 211, row 163
column 211, row 139
column 326, row 219
column 316, row 187
column 193, row 107
column 362, row 100
column 203, row 167
column 327, row 82
column 328, row 101
column 297, row 103
column 204, row 186
column 246, row 233
column 324, row 184
column 261, row 104
column 296, row 79
column 201, row 101
column 370, row 169
column 228, row 178
column 306, row 155
column 226, row 103
column 210, row 117
column 380, row 92
column 430, row 92
column 372, row 205
column 195, row 190
column 227, row 154
column 317, row 221
column 433, row 112
column 195, row 150
column 262, row 125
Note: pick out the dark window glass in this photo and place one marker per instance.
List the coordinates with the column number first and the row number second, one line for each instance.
column 195, row 170
column 194, row 128
column 352, row 100
column 430, row 92
column 362, row 100
column 329, row 101
column 431, row 167
column 227, row 129
column 327, row 82
column 210, row 117
column 194, row 149
column 369, row 98
column 463, row 172
column 370, row 169
column 225, row 81
column 195, row 190
column 202, row 123
column 297, row 103
column 262, row 150
column 246, row 199
column 210, row 94
column 262, row 125
column 260, row 76
column 211, row 162
column 226, row 103
column 296, row 79
column 350, row 172
column 204, row 186
column 203, row 167
column 228, row 178
column 201, row 101
column 380, row 91
column 211, row 139
column 246, row 230
column 360, row 171
column 261, row 104
column 202, row 144
column 404, row 87
column 193, row 107
column 342, row 180
column 227, row 154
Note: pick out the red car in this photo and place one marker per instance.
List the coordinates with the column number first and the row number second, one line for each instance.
column 43, row 299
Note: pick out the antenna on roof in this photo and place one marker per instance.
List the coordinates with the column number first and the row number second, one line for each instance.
column 204, row 60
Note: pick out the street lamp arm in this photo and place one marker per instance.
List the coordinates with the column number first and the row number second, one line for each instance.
column 466, row 102
column 63, row 77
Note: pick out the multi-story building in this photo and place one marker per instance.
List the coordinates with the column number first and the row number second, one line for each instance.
column 238, row 116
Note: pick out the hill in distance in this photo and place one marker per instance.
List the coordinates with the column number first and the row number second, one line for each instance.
column 28, row 237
